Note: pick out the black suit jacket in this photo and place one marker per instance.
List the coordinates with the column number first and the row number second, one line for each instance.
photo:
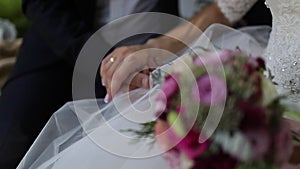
column 59, row 30
column 61, row 27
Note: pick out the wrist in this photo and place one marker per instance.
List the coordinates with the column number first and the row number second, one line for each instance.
column 164, row 50
column 166, row 43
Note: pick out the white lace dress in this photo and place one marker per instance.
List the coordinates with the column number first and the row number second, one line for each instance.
column 69, row 141
column 283, row 51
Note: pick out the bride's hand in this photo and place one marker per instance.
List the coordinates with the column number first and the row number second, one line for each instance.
column 125, row 68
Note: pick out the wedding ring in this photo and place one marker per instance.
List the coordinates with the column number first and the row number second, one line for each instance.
column 112, row 59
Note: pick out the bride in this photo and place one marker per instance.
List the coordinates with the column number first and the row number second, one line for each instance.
column 80, row 135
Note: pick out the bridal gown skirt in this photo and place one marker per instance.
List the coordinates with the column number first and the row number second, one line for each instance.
column 97, row 141
column 90, row 134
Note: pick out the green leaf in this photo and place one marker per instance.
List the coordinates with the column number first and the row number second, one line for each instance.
column 176, row 123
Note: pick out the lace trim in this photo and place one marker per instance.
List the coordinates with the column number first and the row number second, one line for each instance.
column 234, row 10
column 283, row 52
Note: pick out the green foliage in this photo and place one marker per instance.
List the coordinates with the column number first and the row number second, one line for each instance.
column 147, row 130
column 238, row 90
column 12, row 10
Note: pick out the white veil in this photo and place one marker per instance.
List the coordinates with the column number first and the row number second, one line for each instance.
column 69, row 141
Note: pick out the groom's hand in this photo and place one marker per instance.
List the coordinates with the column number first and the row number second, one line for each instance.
column 127, row 67
column 124, row 68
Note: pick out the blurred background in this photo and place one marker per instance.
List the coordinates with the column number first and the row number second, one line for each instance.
column 13, row 24
column 11, row 10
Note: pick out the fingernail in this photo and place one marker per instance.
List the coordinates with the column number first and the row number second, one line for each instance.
column 106, row 99
column 103, row 82
column 145, row 82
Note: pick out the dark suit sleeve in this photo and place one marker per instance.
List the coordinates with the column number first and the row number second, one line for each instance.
column 60, row 25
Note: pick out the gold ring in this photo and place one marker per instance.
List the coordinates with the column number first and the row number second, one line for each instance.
column 112, row 59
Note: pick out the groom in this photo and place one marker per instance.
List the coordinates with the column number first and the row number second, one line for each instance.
column 41, row 81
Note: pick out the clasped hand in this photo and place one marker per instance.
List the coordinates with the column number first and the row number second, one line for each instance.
column 127, row 68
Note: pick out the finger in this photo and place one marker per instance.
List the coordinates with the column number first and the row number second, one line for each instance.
column 108, row 96
column 146, row 71
column 129, row 66
column 104, row 65
column 125, row 89
column 140, row 80
column 111, row 69
column 109, row 66
column 132, row 88
column 112, row 66
column 136, row 81
column 103, row 73
column 103, row 69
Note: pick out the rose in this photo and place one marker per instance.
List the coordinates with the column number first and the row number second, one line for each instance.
column 190, row 145
column 254, row 116
column 169, row 89
column 209, row 90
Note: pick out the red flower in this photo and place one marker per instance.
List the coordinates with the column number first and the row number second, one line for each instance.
column 217, row 161
column 170, row 87
column 190, row 145
column 256, row 81
column 248, row 68
column 261, row 63
column 254, row 116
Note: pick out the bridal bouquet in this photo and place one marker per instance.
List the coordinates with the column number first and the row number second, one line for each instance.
column 225, row 116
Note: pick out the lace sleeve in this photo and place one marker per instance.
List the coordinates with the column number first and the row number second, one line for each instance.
column 234, row 10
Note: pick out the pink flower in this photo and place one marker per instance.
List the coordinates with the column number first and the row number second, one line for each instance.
column 260, row 142
column 170, row 87
column 190, row 145
column 253, row 61
column 172, row 157
column 165, row 137
column 213, row 58
column 161, row 105
column 283, row 144
column 209, row 90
